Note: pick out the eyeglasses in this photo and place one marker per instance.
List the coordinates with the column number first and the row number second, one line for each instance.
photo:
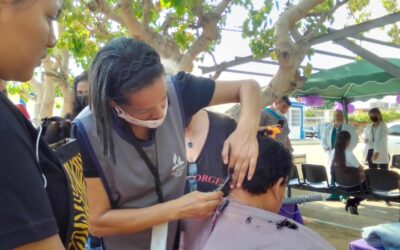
column 191, row 177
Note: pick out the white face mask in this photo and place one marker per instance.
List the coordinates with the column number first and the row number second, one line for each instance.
column 148, row 123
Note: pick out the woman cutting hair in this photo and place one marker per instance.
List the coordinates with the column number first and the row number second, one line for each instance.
column 132, row 141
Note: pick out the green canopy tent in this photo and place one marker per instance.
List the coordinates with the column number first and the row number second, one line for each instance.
column 355, row 81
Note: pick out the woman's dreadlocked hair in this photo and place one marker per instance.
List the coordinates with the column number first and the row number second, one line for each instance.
column 120, row 68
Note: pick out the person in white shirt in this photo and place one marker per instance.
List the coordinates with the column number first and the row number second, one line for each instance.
column 376, row 141
column 329, row 136
column 343, row 159
column 331, row 131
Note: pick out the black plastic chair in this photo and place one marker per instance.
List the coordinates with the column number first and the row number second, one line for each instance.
column 293, row 180
column 349, row 181
column 350, row 178
column 383, row 183
column 315, row 176
column 396, row 161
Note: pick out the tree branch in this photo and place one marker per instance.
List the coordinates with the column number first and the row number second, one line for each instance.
column 310, row 34
column 209, row 34
column 289, row 54
column 147, row 8
column 106, row 10
column 167, row 23
column 163, row 44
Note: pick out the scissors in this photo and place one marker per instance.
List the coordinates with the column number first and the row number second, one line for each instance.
column 222, row 185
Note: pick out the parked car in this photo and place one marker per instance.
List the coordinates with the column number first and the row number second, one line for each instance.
column 311, row 131
column 394, row 138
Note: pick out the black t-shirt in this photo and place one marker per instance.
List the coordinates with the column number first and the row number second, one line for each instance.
column 193, row 92
column 28, row 211
column 211, row 171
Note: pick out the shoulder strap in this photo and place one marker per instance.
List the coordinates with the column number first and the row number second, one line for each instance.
column 153, row 169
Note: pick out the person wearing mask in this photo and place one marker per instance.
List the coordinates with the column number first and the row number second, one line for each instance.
column 343, row 160
column 376, row 141
column 37, row 199
column 133, row 148
column 248, row 218
column 81, row 93
column 275, row 116
column 329, row 137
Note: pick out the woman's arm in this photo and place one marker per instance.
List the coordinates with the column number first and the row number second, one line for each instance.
column 105, row 221
column 240, row 150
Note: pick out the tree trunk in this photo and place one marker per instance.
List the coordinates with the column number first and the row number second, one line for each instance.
column 39, row 91
column 67, row 100
column 289, row 54
column 47, row 107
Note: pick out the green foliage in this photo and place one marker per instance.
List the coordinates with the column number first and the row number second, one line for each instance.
column 355, row 6
column 83, row 32
column 260, row 29
column 388, row 116
column 310, row 113
column 21, row 89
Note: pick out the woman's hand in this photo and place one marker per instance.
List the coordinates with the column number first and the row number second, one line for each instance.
column 240, row 152
column 197, row 205
column 375, row 156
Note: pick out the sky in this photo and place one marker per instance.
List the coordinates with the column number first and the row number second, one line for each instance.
column 232, row 44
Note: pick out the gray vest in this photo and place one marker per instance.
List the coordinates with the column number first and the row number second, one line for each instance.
column 130, row 183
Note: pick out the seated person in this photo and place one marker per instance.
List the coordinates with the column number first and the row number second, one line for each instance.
column 346, row 167
column 249, row 219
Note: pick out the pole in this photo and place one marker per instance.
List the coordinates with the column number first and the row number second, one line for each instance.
column 345, row 110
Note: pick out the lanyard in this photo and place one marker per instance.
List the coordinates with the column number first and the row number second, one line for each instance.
column 153, row 169
column 373, row 130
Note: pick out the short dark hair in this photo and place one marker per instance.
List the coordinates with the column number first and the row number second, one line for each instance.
column 286, row 100
column 376, row 111
column 274, row 161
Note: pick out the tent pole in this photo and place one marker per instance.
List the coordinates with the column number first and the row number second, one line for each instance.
column 345, row 110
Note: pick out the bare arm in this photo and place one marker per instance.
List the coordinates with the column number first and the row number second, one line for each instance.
column 53, row 242
column 240, row 150
column 105, row 221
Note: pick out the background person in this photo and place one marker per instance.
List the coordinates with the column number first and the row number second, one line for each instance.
column 36, row 195
column 329, row 137
column 80, row 95
column 275, row 115
column 132, row 142
column 376, row 141
column 343, row 159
